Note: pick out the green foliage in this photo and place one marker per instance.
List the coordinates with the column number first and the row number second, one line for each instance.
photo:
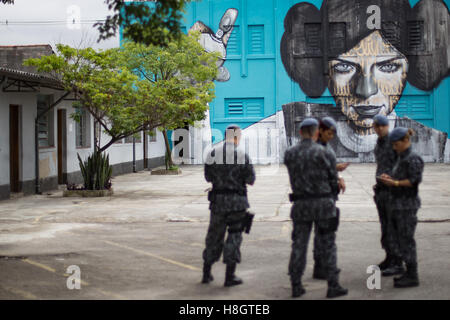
column 115, row 96
column 96, row 171
column 157, row 24
column 179, row 78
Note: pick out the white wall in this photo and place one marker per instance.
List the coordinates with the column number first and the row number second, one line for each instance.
column 157, row 149
column 4, row 140
column 123, row 152
column 447, row 152
column 72, row 150
column 48, row 163
column 27, row 113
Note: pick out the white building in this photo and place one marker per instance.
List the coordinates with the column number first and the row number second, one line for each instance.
column 23, row 95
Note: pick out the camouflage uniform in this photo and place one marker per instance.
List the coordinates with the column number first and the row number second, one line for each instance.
column 318, row 251
column 404, row 203
column 227, row 209
column 385, row 157
column 312, row 173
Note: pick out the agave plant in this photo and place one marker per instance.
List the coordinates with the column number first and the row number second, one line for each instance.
column 96, row 171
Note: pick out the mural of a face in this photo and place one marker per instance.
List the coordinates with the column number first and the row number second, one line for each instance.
column 368, row 80
column 365, row 56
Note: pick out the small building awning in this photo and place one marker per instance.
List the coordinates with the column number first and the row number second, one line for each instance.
column 12, row 80
column 15, row 77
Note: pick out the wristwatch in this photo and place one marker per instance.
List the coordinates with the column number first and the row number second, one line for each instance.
column 396, row 183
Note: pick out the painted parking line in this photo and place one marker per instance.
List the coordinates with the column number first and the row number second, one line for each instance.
column 19, row 292
column 191, row 244
column 39, row 265
column 265, row 239
column 37, row 219
column 84, row 283
column 146, row 253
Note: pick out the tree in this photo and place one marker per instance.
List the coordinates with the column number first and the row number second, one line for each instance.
column 113, row 95
column 180, row 78
column 157, row 23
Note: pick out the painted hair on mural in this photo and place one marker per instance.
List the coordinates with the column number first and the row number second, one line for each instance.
column 420, row 33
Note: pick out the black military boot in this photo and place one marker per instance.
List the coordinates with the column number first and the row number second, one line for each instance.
column 409, row 279
column 297, row 290
column 207, row 276
column 385, row 263
column 395, row 267
column 230, row 277
column 335, row 290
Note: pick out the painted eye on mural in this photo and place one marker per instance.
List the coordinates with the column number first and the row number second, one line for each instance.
column 389, row 67
column 343, row 67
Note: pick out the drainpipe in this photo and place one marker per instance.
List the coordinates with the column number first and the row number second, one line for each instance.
column 134, row 154
column 36, row 155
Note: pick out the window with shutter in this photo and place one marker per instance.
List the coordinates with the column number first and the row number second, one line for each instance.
column 235, row 109
column 338, row 37
column 313, row 38
column 250, row 107
column 416, row 36
column 234, row 43
column 256, row 39
column 417, row 107
column 391, row 32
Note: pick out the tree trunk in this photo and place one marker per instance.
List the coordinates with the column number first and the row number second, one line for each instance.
column 168, row 151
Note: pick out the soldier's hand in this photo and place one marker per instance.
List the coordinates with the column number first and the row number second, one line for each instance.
column 385, row 176
column 387, row 181
column 342, row 166
column 341, row 184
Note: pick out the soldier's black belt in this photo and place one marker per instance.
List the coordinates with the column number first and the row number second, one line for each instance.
column 229, row 191
column 408, row 192
column 306, row 196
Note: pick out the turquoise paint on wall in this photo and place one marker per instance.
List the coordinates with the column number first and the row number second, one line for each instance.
column 259, row 73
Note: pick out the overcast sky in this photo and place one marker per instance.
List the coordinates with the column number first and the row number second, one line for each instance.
column 45, row 22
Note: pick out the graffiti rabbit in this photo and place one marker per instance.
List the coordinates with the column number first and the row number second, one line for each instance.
column 217, row 42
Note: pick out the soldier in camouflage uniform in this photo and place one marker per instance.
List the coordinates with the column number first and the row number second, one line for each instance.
column 229, row 170
column 327, row 132
column 404, row 202
column 385, row 157
column 314, row 182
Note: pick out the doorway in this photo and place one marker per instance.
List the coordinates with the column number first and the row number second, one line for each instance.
column 62, row 150
column 14, row 149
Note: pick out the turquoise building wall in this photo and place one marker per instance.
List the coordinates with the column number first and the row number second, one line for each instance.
column 259, row 84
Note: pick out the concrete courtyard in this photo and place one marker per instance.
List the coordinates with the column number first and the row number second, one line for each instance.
column 146, row 241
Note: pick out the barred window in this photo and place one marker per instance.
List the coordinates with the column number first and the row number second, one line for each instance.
column 138, row 135
column 153, row 135
column 45, row 122
column 82, row 129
